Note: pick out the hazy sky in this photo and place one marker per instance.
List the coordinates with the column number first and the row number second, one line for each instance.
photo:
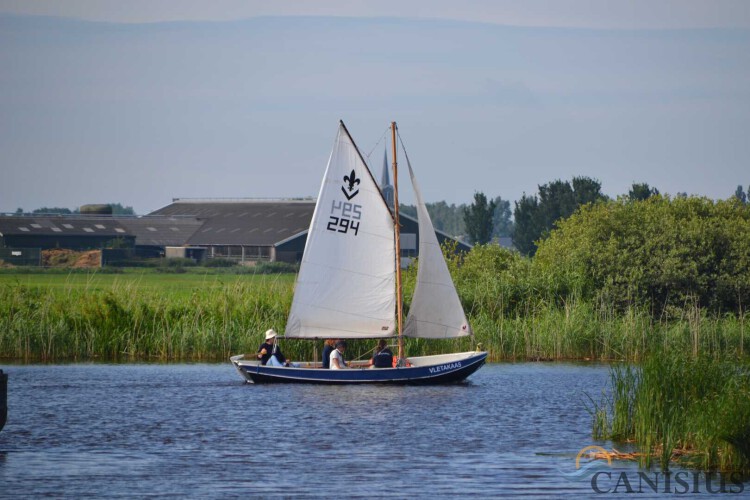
column 135, row 105
column 603, row 14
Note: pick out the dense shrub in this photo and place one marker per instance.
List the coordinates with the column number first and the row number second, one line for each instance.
column 218, row 262
column 663, row 253
column 178, row 262
column 274, row 268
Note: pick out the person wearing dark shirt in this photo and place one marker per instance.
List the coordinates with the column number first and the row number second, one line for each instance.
column 329, row 346
column 267, row 349
column 383, row 357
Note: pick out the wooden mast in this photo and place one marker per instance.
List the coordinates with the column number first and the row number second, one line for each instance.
column 397, row 230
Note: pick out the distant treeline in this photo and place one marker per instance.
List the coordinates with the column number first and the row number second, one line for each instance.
column 534, row 215
column 117, row 209
column 451, row 219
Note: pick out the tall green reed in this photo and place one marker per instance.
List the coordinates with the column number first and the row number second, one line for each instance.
column 126, row 320
column 675, row 407
column 515, row 316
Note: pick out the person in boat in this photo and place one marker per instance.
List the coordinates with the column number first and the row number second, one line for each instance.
column 383, row 357
column 329, row 346
column 269, row 353
column 337, row 356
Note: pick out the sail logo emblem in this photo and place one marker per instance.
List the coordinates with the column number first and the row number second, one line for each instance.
column 352, row 181
column 345, row 215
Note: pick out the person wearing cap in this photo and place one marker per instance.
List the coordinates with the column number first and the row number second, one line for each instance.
column 269, row 353
column 337, row 356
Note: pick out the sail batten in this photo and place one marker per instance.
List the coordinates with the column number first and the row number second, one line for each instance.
column 346, row 283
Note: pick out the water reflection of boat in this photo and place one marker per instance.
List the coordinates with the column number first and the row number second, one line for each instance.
column 349, row 283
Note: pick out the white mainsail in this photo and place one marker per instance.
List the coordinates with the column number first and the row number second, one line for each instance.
column 346, row 283
column 436, row 310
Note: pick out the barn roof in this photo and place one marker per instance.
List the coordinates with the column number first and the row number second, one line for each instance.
column 161, row 231
column 62, row 225
column 150, row 231
column 248, row 222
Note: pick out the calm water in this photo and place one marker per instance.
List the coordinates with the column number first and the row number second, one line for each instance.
column 199, row 431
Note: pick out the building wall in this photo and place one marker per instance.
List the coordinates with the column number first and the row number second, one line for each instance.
column 21, row 256
column 92, row 242
column 240, row 252
column 291, row 250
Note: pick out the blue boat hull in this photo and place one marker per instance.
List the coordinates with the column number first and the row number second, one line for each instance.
column 440, row 373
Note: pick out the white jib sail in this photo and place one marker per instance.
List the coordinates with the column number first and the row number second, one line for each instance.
column 346, row 283
column 436, row 310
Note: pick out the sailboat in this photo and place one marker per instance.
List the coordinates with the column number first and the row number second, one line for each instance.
column 349, row 283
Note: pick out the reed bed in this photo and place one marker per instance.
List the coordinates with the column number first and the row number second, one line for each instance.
column 677, row 408
column 136, row 319
column 133, row 321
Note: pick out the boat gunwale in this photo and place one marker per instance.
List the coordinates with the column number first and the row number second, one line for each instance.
column 256, row 373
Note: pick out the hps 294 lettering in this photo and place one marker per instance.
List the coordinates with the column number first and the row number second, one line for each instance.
column 344, row 217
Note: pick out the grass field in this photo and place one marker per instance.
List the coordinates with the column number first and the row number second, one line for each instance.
column 141, row 314
column 201, row 314
column 142, row 279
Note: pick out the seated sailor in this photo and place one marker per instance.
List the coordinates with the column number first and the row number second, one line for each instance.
column 337, row 356
column 269, row 353
column 383, row 357
column 329, row 346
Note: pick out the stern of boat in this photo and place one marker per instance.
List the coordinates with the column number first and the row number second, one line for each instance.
column 239, row 361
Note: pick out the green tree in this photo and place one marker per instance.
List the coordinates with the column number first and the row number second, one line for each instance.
column 556, row 199
column 478, row 219
column 52, row 210
column 118, row 209
column 586, row 190
column 640, row 192
column 664, row 253
column 410, row 210
column 446, row 218
column 502, row 224
column 536, row 216
column 527, row 227
column 19, row 211
column 740, row 194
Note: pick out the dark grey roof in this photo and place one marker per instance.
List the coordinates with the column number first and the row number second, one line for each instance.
column 161, row 231
column 148, row 231
column 62, row 225
column 251, row 222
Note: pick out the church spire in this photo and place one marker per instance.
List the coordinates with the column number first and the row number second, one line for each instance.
column 385, row 180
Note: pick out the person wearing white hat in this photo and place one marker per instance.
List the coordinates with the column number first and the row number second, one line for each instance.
column 269, row 353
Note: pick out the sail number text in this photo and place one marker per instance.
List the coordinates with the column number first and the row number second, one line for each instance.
column 344, row 217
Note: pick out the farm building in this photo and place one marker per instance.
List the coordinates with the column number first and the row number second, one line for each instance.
column 266, row 230
column 243, row 230
column 59, row 231
column 141, row 236
column 246, row 230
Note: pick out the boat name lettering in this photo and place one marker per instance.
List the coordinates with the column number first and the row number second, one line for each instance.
column 344, row 216
column 442, row 368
